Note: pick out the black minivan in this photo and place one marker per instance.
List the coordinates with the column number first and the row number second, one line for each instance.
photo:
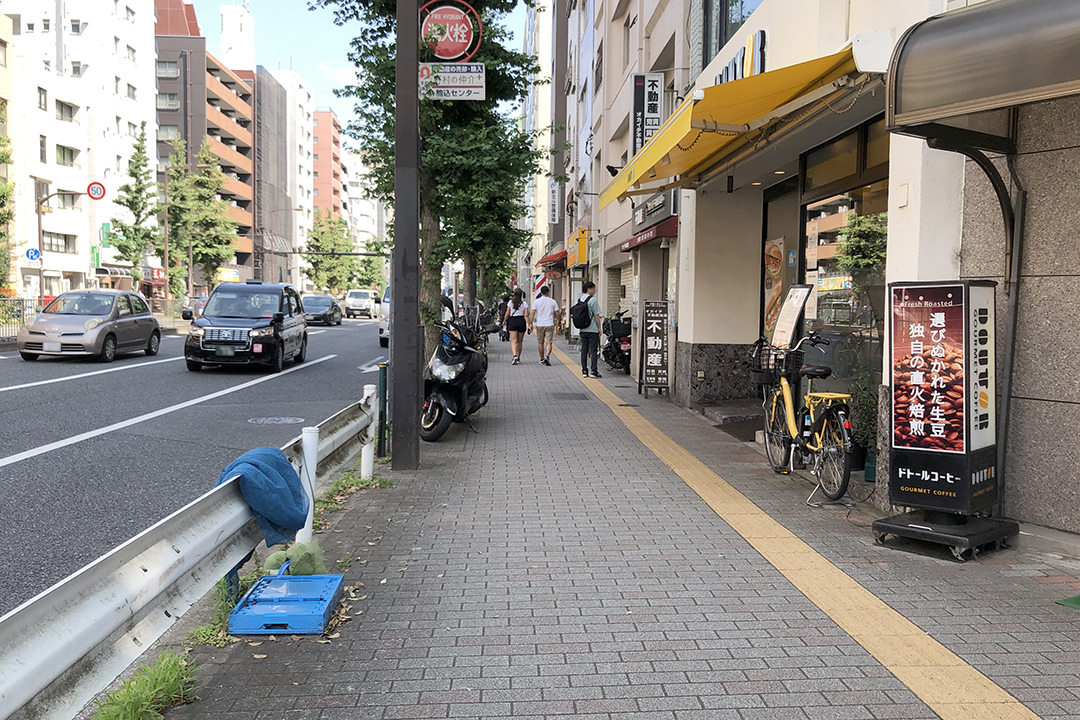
column 248, row 324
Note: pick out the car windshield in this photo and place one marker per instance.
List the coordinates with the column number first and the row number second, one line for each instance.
column 81, row 303
column 235, row 304
column 360, row 295
column 386, row 297
column 317, row 302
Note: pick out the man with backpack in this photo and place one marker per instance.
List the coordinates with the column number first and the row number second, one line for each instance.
column 585, row 314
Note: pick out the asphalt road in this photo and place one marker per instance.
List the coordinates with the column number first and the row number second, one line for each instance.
column 92, row 454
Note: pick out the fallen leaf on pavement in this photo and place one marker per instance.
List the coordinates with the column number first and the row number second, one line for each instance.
column 273, row 639
column 383, row 581
column 335, row 636
column 440, row 574
column 362, row 597
column 255, row 644
column 323, row 642
column 259, row 657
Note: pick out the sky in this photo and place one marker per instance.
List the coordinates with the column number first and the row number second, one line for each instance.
column 289, row 36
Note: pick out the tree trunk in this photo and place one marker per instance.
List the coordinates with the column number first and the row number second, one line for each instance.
column 470, row 278
column 430, row 276
column 481, row 285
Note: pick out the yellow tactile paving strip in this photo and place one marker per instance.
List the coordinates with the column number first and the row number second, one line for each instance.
column 952, row 688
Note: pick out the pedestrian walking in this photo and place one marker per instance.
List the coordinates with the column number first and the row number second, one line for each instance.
column 587, row 308
column 517, row 322
column 504, row 334
column 543, row 320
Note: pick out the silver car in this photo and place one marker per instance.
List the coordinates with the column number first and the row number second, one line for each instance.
column 361, row 302
column 99, row 323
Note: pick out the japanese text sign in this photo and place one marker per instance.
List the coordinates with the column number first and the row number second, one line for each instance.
column 648, row 108
column 655, row 344
column 453, row 81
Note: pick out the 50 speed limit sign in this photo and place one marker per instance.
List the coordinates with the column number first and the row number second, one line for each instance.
column 95, row 190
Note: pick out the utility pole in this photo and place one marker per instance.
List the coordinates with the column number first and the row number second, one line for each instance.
column 168, row 295
column 405, row 334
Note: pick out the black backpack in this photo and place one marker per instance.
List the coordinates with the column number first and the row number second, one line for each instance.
column 580, row 315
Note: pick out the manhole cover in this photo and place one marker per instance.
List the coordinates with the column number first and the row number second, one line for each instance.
column 569, row 396
column 276, row 421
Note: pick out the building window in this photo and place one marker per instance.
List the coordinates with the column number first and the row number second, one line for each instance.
column 131, row 91
column 130, row 15
column 598, row 71
column 119, row 163
column 626, row 40
column 316, row 158
column 66, row 156
column 116, row 85
column 76, row 27
column 722, row 20
column 42, row 99
column 43, row 149
column 67, row 201
column 45, row 25
column 316, row 122
column 131, row 53
column 168, row 132
column 168, row 69
column 316, row 191
column 29, row 27
column 76, row 69
column 3, row 54
column 58, row 243
column 316, row 174
column 65, row 112
column 133, row 130
column 168, row 101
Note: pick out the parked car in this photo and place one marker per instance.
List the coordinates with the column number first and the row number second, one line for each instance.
column 384, row 319
column 361, row 302
column 101, row 323
column 248, row 324
column 322, row 309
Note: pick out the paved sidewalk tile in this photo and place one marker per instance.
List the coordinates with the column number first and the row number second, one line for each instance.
column 551, row 565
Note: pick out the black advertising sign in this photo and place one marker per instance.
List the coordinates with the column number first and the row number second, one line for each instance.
column 943, row 455
column 655, row 344
column 647, row 109
column 637, row 139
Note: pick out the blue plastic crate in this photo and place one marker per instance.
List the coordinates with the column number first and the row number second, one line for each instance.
column 286, row 604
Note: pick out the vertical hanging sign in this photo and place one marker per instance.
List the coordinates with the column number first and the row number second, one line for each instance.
column 648, row 110
column 943, row 455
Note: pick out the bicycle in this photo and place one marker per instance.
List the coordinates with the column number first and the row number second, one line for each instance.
column 820, row 432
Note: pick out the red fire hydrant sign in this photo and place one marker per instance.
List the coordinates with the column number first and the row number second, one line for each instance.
column 943, row 455
column 448, row 32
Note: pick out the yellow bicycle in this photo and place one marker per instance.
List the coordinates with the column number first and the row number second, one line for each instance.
column 819, row 433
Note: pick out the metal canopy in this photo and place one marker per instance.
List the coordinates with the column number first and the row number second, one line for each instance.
column 990, row 57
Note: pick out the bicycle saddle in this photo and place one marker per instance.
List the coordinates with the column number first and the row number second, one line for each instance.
column 819, row 372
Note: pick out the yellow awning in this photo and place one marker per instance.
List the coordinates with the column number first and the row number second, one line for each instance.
column 701, row 130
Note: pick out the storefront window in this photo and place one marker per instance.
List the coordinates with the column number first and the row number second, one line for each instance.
column 832, row 163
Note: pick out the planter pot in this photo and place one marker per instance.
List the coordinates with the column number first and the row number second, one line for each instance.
column 871, row 467
column 858, row 457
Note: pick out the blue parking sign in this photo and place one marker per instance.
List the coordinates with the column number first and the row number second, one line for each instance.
column 33, row 254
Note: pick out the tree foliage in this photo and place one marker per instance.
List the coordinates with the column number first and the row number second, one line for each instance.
column 474, row 161
column 862, row 242
column 199, row 223
column 133, row 238
column 330, row 273
column 7, row 204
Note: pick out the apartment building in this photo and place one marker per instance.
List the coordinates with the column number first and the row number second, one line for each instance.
column 7, row 55
column 82, row 85
column 200, row 97
column 326, row 163
column 367, row 217
column 298, row 212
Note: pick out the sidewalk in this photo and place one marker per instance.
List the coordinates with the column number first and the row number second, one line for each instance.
column 569, row 559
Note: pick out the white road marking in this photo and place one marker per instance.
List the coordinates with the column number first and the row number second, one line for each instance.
column 27, row 454
column 89, row 374
column 372, row 367
column 315, row 332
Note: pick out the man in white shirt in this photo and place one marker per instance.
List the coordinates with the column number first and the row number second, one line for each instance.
column 543, row 319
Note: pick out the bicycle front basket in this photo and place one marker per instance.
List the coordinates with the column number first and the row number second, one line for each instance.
column 770, row 364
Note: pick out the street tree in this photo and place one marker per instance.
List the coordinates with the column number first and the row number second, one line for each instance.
column 133, row 237
column 461, row 143
column 7, row 204
column 331, row 273
column 199, row 224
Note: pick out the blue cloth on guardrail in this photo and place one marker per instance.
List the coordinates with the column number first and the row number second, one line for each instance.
column 274, row 491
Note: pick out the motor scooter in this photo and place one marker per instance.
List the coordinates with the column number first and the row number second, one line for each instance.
column 455, row 379
column 616, row 352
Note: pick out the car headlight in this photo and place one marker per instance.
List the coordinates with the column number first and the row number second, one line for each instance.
column 92, row 323
column 195, row 331
column 262, row 332
column 442, row 371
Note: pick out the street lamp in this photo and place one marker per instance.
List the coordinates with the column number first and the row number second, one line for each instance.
column 272, row 234
column 41, row 236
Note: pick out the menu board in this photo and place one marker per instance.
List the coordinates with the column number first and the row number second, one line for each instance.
column 789, row 315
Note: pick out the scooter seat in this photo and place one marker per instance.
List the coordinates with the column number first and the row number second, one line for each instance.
column 818, row 372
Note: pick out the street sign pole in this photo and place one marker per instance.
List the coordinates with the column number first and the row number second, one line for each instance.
column 405, row 308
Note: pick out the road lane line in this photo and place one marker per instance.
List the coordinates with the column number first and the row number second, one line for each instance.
column 89, row 374
column 27, row 454
column 315, row 332
column 951, row 687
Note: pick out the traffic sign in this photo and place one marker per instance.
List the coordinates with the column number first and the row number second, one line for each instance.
column 33, row 254
column 448, row 29
column 95, row 190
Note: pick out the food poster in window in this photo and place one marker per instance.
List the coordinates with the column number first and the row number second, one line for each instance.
column 773, row 288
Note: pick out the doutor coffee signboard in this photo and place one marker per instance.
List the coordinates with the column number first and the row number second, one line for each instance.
column 943, row 455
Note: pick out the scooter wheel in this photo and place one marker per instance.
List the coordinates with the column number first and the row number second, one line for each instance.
column 434, row 421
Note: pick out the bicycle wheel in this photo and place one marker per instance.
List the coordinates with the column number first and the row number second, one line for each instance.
column 834, row 461
column 777, row 442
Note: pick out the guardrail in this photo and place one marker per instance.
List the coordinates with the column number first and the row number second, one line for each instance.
column 14, row 313
column 61, row 648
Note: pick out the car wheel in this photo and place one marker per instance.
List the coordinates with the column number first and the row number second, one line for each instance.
column 384, row 342
column 28, row 357
column 154, row 344
column 302, row 355
column 108, row 349
column 194, row 366
column 279, row 359
column 339, row 321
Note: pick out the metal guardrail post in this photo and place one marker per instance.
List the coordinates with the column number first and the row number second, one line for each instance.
column 367, row 453
column 380, row 449
column 308, row 468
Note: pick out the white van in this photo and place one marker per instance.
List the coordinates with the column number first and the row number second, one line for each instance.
column 361, row 302
column 384, row 319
